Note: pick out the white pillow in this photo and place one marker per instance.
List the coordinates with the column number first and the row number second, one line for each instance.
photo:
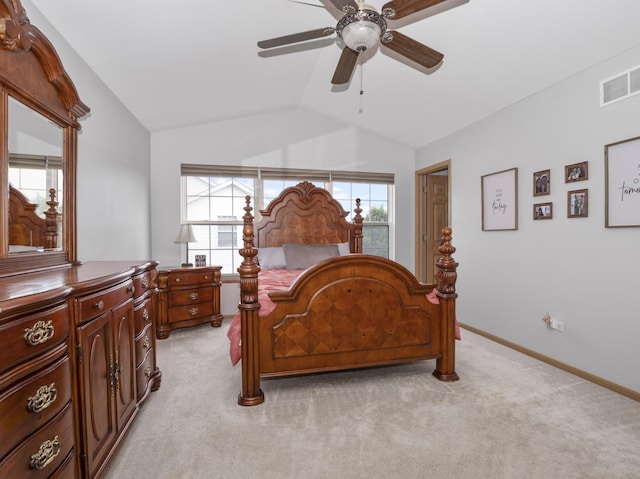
column 272, row 258
column 343, row 249
column 303, row 256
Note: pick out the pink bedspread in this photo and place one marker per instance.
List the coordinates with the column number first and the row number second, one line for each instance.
column 274, row 280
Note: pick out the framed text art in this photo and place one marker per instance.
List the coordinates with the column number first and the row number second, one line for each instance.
column 622, row 183
column 500, row 200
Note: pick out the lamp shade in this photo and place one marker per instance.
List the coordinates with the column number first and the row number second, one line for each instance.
column 185, row 235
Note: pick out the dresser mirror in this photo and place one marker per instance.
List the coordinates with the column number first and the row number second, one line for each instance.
column 40, row 109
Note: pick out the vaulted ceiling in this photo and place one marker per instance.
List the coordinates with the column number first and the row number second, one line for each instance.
column 184, row 62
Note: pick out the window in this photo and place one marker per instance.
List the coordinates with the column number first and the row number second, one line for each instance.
column 34, row 176
column 214, row 200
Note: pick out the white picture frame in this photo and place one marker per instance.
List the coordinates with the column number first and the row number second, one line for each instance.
column 500, row 200
column 622, row 183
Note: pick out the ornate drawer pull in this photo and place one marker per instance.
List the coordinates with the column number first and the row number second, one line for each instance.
column 146, row 342
column 206, row 277
column 39, row 333
column 193, row 311
column 131, row 289
column 44, row 397
column 99, row 305
column 145, row 282
column 147, row 371
column 45, row 455
column 194, row 296
column 145, row 314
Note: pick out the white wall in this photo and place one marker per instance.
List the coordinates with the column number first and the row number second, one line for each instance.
column 114, row 208
column 293, row 138
column 575, row 269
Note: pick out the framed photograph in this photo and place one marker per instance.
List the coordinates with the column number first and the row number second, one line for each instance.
column 543, row 211
column 577, row 203
column 622, row 183
column 542, row 183
column 500, row 200
column 576, row 172
column 201, row 260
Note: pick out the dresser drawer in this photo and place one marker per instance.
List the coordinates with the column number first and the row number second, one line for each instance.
column 143, row 314
column 30, row 404
column 181, row 313
column 143, row 373
column 189, row 278
column 93, row 305
column 142, row 283
column 192, row 296
column 143, row 343
column 32, row 335
column 43, row 452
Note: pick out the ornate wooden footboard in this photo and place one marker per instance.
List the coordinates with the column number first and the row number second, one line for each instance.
column 345, row 312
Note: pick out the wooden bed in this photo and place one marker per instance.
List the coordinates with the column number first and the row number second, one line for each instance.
column 28, row 230
column 346, row 312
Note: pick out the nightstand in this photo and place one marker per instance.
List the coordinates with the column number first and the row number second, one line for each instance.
column 188, row 296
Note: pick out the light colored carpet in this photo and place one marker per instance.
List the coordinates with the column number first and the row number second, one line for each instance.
column 509, row 416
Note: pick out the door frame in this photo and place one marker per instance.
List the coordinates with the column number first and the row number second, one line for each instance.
column 421, row 252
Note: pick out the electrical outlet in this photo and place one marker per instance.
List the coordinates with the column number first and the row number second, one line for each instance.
column 557, row 325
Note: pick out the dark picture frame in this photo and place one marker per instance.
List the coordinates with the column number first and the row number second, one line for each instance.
column 576, row 172
column 543, row 211
column 542, row 183
column 500, row 200
column 622, row 183
column 578, row 203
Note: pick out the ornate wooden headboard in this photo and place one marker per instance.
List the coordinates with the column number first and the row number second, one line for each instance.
column 26, row 228
column 308, row 214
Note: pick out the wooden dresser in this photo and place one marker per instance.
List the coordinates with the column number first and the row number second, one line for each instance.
column 77, row 360
column 187, row 297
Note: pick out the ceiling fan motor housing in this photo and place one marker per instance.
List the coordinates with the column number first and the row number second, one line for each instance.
column 361, row 30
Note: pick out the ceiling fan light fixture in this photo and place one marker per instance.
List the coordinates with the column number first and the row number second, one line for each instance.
column 361, row 30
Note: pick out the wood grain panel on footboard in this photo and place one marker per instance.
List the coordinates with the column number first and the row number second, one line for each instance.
column 348, row 312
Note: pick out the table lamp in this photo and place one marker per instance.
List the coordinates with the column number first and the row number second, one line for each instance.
column 186, row 236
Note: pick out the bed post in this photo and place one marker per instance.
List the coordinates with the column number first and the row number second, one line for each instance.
column 51, row 221
column 446, row 364
column 357, row 228
column 249, row 306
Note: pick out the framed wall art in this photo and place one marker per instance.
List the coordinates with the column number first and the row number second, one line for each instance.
column 542, row 183
column 622, row 183
column 576, row 172
column 543, row 211
column 500, row 200
column 577, row 204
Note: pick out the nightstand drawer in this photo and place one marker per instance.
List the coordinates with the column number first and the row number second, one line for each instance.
column 194, row 311
column 193, row 296
column 190, row 278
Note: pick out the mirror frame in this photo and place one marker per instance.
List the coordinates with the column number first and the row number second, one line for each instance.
column 31, row 72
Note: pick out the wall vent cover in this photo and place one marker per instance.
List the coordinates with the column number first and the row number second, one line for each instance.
column 620, row 86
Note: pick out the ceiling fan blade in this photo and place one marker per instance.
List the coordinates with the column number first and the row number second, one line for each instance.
column 346, row 65
column 402, row 8
column 306, row 3
column 415, row 51
column 296, row 37
column 345, row 5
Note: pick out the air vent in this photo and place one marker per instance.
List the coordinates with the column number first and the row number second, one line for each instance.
column 620, row 86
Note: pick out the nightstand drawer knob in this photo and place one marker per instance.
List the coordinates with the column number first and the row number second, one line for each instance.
column 194, row 296
column 99, row 305
column 193, row 311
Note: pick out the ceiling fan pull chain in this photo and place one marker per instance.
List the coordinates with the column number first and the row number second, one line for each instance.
column 361, row 82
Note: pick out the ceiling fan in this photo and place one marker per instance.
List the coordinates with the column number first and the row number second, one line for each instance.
column 361, row 28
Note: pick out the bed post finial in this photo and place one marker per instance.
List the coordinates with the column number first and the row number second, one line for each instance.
column 447, row 266
column 357, row 228
column 251, row 393
column 51, row 221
